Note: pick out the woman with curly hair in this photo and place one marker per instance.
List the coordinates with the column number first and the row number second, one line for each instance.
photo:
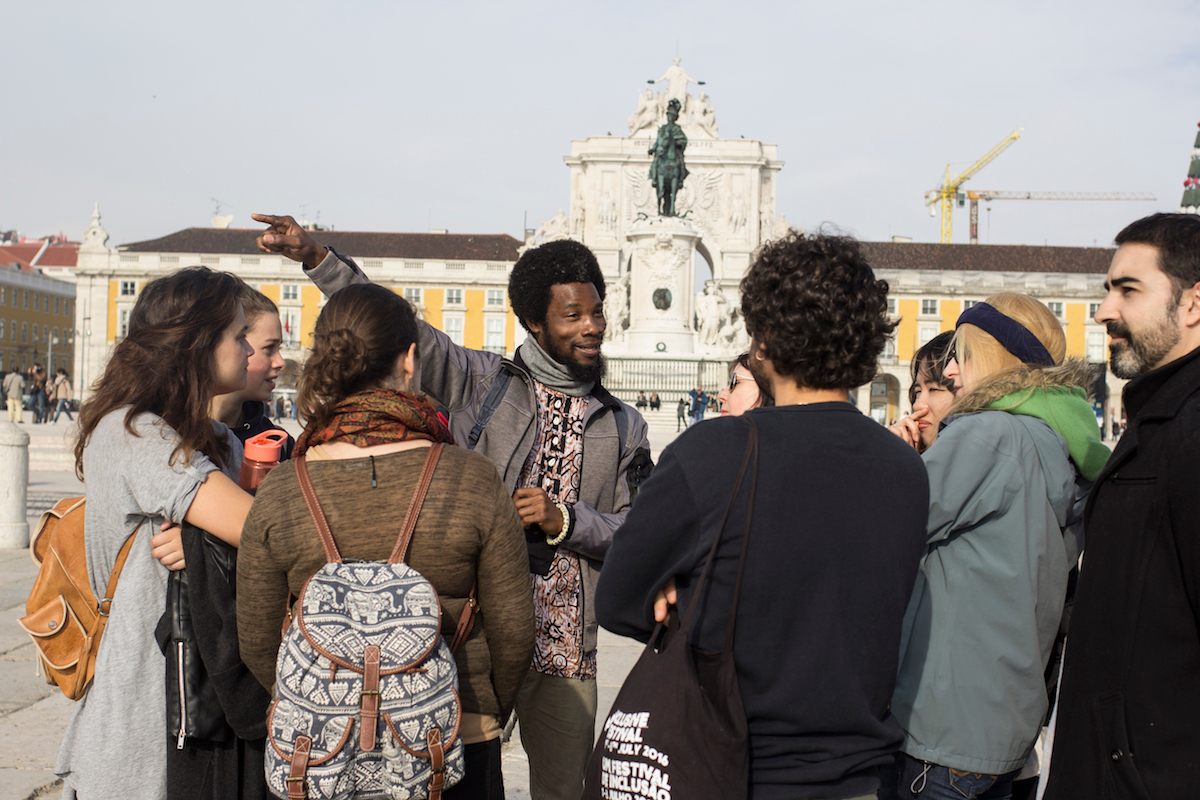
column 366, row 439
column 1005, row 478
column 149, row 454
column 837, row 530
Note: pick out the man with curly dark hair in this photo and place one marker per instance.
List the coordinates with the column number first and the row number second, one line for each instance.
column 838, row 531
column 572, row 455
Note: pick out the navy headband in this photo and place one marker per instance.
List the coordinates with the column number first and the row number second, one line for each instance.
column 1012, row 335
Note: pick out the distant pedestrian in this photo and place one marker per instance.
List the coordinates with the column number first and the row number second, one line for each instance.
column 14, row 394
column 699, row 403
column 655, row 401
column 641, row 401
column 62, row 395
column 1130, row 696
column 681, row 415
column 37, row 375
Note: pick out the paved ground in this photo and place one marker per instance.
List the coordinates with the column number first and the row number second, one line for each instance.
column 32, row 717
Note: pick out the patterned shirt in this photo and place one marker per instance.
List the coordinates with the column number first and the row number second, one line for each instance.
column 554, row 465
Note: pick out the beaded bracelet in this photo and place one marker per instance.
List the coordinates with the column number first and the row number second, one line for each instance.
column 566, row 525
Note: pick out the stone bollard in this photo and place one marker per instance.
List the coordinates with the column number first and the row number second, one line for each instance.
column 14, row 483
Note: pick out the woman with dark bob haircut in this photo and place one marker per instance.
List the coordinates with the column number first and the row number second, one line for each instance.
column 835, row 535
column 149, row 454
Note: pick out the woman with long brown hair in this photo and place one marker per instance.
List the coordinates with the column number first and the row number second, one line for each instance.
column 366, row 439
column 150, row 458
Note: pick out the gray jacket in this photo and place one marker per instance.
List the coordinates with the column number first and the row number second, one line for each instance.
column 460, row 378
column 982, row 619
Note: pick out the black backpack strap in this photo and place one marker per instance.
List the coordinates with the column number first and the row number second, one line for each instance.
column 490, row 403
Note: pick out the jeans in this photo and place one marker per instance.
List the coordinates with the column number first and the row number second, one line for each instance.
column 920, row 780
column 64, row 406
column 39, row 406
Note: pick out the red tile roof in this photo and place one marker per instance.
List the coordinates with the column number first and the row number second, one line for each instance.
column 988, row 257
column 417, row 246
column 56, row 255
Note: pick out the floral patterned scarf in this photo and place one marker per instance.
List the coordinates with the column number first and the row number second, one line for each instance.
column 379, row 416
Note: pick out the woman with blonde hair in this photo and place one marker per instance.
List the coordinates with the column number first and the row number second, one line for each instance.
column 1006, row 477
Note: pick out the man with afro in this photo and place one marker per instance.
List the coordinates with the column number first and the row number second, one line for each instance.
column 571, row 453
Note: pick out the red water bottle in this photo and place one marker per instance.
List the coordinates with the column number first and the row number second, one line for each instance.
column 261, row 455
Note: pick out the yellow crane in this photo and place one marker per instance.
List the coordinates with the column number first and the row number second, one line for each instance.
column 946, row 194
column 987, row 195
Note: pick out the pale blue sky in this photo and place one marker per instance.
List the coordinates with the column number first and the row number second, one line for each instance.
column 404, row 116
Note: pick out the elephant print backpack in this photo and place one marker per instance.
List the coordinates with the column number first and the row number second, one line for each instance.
column 366, row 689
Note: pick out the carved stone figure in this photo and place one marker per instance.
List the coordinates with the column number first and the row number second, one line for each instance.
column 668, row 170
column 616, row 308
column 646, row 114
column 710, row 314
column 677, row 81
column 705, row 116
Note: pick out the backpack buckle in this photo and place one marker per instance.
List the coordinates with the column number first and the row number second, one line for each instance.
column 104, row 607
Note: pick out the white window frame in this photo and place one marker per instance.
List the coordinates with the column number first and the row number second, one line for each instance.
column 1097, row 346
column 926, row 303
column 289, row 293
column 1, row 330
column 290, row 320
column 127, row 289
column 415, row 295
column 123, row 321
column 1093, row 310
column 1057, row 308
column 454, row 326
column 454, row 297
column 493, row 333
column 926, row 331
column 495, row 298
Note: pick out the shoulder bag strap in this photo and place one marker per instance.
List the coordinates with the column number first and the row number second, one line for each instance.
column 737, row 587
column 701, row 591
column 414, row 508
column 466, row 620
column 318, row 516
column 104, row 605
column 490, row 403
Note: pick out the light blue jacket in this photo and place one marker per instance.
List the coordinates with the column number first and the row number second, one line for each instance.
column 989, row 596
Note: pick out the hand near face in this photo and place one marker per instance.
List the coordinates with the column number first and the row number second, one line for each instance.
column 535, row 507
column 909, row 429
column 287, row 237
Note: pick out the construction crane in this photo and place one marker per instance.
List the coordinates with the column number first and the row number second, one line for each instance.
column 946, row 194
column 975, row 195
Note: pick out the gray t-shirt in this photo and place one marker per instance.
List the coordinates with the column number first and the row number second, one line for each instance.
column 121, row 722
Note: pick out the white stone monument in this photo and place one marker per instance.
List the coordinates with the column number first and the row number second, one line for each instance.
column 726, row 209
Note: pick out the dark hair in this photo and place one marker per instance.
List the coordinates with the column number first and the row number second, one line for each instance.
column 1177, row 239
column 560, row 261
column 255, row 303
column 815, row 306
column 930, row 361
column 765, row 400
column 165, row 364
column 359, row 335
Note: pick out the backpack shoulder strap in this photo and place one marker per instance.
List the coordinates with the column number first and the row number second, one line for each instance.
column 318, row 516
column 400, row 551
column 490, row 403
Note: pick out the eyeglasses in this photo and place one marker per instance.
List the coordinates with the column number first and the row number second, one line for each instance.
column 734, row 380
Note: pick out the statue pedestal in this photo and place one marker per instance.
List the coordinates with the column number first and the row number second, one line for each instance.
column 661, row 294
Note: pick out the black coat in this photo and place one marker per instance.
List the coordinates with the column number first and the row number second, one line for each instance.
column 1129, row 702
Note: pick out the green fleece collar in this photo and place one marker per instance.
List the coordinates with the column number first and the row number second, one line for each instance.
column 1067, row 411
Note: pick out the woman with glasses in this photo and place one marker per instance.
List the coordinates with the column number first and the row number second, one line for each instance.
column 743, row 392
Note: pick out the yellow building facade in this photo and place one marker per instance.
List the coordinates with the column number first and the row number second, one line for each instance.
column 37, row 320
column 458, row 283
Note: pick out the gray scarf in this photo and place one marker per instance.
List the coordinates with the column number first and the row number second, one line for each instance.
column 549, row 372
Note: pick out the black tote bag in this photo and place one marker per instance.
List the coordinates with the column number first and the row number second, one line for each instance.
column 677, row 728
